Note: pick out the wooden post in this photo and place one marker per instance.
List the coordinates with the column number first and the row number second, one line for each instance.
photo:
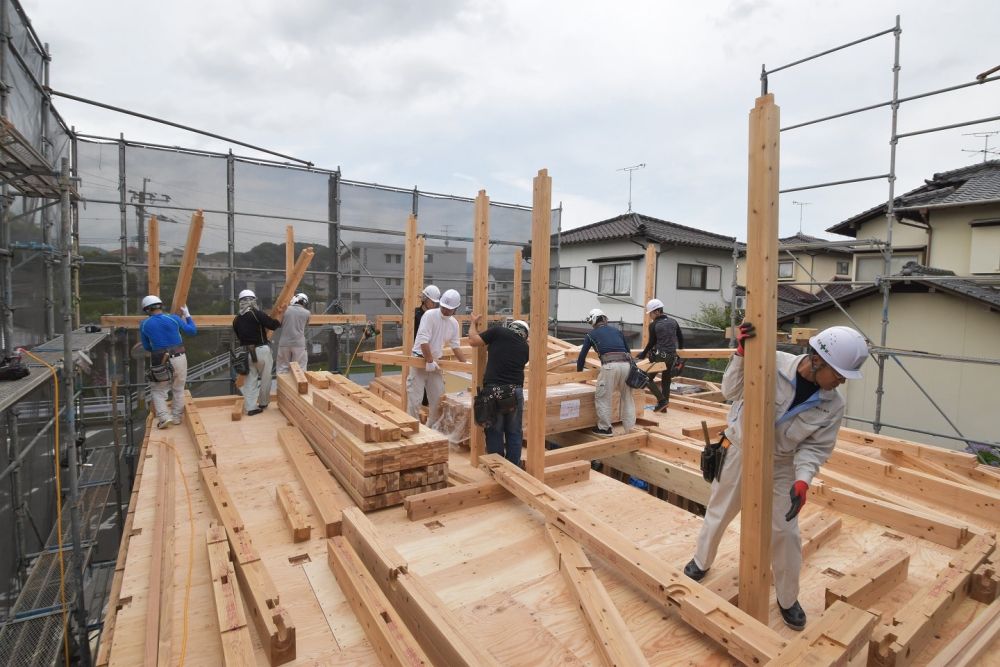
column 420, row 254
column 759, row 360
column 153, row 270
column 292, row 283
column 541, row 231
column 410, row 303
column 515, row 306
column 188, row 262
column 289, row 252
column 650, row 288
column 480, row 306
column 379, row 323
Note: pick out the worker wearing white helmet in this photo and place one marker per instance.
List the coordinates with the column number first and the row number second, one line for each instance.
column 809, row 411
column 501, row 398
column 665, row 338
column 616, row 362
column 429, row 298
column 292, row 342
column 437, row 327
column 161, row 337
column 251, row 327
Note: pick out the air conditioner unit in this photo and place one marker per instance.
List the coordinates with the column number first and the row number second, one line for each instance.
column 740, row 302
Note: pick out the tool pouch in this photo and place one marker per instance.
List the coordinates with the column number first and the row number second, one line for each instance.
column 505, row 399
column 712, row 458
column 636, row 379
column 483, row 408
column 240, row 360
column 161, row 372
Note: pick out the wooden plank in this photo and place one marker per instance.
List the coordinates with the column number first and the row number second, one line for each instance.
column 291, row 508
column 870, row 580
column 327, row 497
column 284, row 297
column 684, row 480
column 612, row 638
column 596, row 449
column 480, row 306
column 393, row 642
column 274, row 625
column 188, row 261
column 576, row 376
column 541, row 233
column 650, row 289
column 515, row 299
column 153, row 263
column 237, row 645
column 318, row 379
column 301, row 382
column 236, row 413
column 411, row 300
column 760, row 363
column 801, row 335
column 159, row 601
column 362, row 396
column 973, row 642
column 289, row 252
column 737, row 632
column 714, row 431
column 225, row 321
column 365, row 424
column 840, row 634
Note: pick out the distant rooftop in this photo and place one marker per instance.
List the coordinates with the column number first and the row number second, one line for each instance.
column 636, row 225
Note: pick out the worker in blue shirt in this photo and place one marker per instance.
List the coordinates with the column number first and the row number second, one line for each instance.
column 615, row 366
column 161, row 337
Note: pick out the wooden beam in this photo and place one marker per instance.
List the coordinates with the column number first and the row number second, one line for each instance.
column 541, row 233
column 236, row 414
column 596, row 449
column 291, row 508
column 289, row 252
column 284, row 297
column 869, row 581
column 153, row 268
column 973, row 642
column 518, row 285
column 684, row 480
column 612, row 638
column 650, row 289
column 738, row 633
column 411, row 300
column 301, row 381
column 237, row 645
column 159, row 603
column 480, row 306
column 392, row 641
column 224, row 321
column 419, row 258
column 188, row 261
column 326, row 495
column 760, row 362
column 840, row 634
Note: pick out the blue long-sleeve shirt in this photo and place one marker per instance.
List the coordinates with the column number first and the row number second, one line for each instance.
column 162, row 331
column 604, row 339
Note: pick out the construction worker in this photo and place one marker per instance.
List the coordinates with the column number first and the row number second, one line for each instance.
column 506, row 357
column 429, row 300
column 292, row 344
column 665, row 338
column 251, row 327
column 808, row 410
column 616, row 362
column 161, row 337
column 437, row 327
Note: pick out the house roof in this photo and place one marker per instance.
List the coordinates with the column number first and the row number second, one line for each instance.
column 800, row 239
column 630, row 225
column 792, row 300
column 958, row 187
column 988, row 295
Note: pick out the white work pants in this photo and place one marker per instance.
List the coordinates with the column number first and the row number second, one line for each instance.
column 159, row 390
column 257, row 389
column 611, row 380
column 724, row 505
column 286, row 355
column 416, row 382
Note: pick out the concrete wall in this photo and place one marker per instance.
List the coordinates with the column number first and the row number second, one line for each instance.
column 931, row 322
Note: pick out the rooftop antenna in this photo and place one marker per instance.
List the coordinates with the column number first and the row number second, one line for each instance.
column 634, row 167
column 985, row 150
column 801, row 205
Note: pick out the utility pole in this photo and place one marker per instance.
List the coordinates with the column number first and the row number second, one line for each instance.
column 801, row 205
column 629, row 170
column 143, row 197
column 985, row 150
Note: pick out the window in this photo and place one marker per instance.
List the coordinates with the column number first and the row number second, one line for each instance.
column 389, row 303
column 391, row 258
column 575, row 276
column 356, row 279
column 615, row 279
column 984, row 255
column 843, row 267
column 786, row 270
column 428, row 258
column 868, row 266
column 698, row 276
column 356, row 297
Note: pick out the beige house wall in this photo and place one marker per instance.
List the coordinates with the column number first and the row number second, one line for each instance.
column 902, row 235
column 932, row 322
column 823, row 267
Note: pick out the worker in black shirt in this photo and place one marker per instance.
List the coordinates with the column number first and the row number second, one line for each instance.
column 250, row 327
column 506, row 356
column 665, row 338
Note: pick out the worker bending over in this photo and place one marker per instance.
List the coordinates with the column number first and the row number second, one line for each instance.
column 292, row 344
column 161, row 337
column 503, row 380
column 437, row 327
column 616, row 362
column 251, row 327
column 808, row 412
column 665, row 338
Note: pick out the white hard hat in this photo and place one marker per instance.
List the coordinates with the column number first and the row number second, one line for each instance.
column 843, row 348
column 150, row 301
column 301, row 298
column 595, row 315
column 247, row 293
column 431, row 292
column 451, row 299
column 519, row 326
column 654, row 304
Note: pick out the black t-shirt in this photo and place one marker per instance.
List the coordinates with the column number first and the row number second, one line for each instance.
column 803, row 390
column 249, row 327
column 507, row 353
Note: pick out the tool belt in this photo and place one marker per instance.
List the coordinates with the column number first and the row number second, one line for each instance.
column 240, row 359
column 172, row 351
column 162, row 371
column 613, row 357
column 494, row 400
column 713, row 457
column 636, row 378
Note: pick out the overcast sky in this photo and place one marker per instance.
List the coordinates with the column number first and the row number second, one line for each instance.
column 458, row 95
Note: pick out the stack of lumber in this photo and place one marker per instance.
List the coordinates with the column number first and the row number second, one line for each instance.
column 376, row 451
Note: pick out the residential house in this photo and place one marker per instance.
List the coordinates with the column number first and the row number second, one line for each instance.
column 806, row 259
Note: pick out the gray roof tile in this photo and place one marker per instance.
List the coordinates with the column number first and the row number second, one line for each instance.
column 630, row 225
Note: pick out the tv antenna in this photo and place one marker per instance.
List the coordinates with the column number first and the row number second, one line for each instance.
column 801, row 205
column 985, row 150
column 634, row 167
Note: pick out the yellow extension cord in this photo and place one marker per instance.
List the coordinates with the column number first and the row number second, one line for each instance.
column 354, row 356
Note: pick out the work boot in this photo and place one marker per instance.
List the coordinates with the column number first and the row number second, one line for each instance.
column 255, row 411
column 163, row 422
column 177, row 420
column 794, row 617
column 661, row 406
column 602, row 432
column 692, row 571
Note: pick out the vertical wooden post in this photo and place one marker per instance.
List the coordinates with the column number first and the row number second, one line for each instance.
column 480, row 306
column 420, row 255
column 379, row 323
column 538, row 340
column 650, row 288
column 153, row 268
column 187, row 262
column 515, row 307
column 289, row 251
column 759, row 360
column 410, row 291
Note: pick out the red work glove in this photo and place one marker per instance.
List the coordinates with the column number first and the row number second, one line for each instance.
column 743, row 332
column 798, row 494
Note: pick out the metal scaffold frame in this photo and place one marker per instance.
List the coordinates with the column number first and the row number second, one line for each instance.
column 881, row 352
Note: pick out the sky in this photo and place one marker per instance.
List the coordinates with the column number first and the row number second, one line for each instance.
column 454, row 96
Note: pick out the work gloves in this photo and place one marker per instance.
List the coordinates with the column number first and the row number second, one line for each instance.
column 798, row 495
column 431, row 367
column 185, row 312
column 744, row 331
column 641, row 355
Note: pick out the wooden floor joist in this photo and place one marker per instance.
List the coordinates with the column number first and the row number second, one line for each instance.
column 684, row 480
column 291, row 508
column 159, row 608
column 841, row 633
column 863, row 585
column 973, row 642
column 300, row 377
column 237, row 645
column 329, row 499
